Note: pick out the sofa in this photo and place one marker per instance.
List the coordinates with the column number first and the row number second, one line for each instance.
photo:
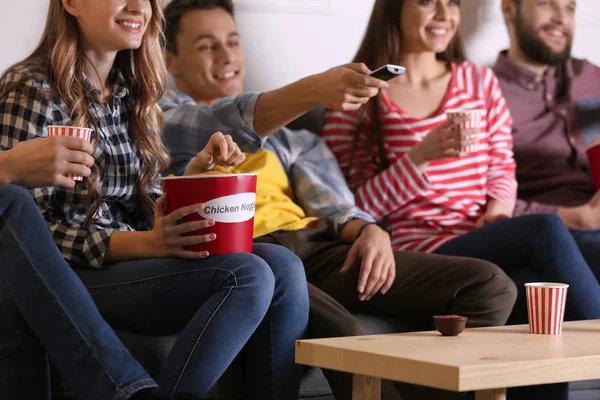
column 152, row 351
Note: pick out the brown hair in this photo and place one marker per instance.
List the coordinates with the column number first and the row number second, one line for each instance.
column 382, row 44
column 176, row 9
column 59, row 53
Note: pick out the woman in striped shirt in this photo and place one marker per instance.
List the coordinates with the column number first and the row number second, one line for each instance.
column 401, row 157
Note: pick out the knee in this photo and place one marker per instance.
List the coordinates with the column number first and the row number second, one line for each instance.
column 348, row 325
column 546, row 223
column 498, row 291
column 13, row 190
column 290, row 278
column 256, row 270
column 290, row 281
column 496, row 280
column 328, row 318
column 251, row 273
column 12, row 194
column 505, row 287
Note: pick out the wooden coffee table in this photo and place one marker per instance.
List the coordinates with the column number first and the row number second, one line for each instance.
column 484, row 360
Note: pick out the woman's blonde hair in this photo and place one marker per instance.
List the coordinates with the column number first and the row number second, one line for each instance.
column 59, row 53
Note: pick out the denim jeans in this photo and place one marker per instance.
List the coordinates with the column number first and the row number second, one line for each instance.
column 46, row 310
column 218, row 305
column 589, row 245
column 535, row 248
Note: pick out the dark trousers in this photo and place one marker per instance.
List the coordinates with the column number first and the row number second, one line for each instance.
column 426, row 285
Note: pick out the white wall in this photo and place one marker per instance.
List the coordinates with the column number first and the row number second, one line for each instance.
column 285, row 40
column 21, row 25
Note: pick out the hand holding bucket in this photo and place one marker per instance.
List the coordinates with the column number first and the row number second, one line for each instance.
column 228, row 199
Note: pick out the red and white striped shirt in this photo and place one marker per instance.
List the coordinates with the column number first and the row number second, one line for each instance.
column 426, row 210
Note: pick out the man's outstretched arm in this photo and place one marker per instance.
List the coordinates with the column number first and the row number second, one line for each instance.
column 346, row 87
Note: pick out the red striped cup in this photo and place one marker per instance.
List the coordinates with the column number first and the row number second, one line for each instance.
column 546, row 307
column 474, row 119
column 83, row 133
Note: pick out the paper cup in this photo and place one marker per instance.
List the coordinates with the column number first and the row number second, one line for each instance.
column 474, row 118
column 593, row 154
column 229, row 200
column 546, row 307
column 74, row 131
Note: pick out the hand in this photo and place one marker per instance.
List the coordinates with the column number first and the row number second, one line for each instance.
column 168, row 240
column 47, row 161
column 442, row 142
column 346, row 87
column 220, row 150
column 495, row 211
column 582, row 218
column 378, row 266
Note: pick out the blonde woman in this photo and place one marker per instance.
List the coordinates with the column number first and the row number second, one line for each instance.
column 99, row 65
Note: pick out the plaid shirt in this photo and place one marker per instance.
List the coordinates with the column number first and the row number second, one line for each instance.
column 317, row 181
column 26, row 113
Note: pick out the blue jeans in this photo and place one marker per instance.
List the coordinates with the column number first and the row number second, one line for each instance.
column 46, row 310
column 589, row 245
column 535, row 248
column 218, row 305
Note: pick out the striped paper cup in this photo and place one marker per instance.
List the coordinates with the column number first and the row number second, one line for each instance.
column 474, row 120
column 83, row 133
column 546, row 307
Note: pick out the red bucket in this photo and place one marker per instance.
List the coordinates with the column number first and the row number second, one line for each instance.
column 593, row 154
column 229, row 200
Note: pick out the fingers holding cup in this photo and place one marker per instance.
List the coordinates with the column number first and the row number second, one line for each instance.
column 467, row 123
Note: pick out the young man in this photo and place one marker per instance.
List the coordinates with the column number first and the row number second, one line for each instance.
column 555, row 101
column 303, row 202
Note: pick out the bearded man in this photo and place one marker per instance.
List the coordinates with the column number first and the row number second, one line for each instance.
column 555, row 103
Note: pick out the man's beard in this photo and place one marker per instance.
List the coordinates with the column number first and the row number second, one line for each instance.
column 534, row 47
